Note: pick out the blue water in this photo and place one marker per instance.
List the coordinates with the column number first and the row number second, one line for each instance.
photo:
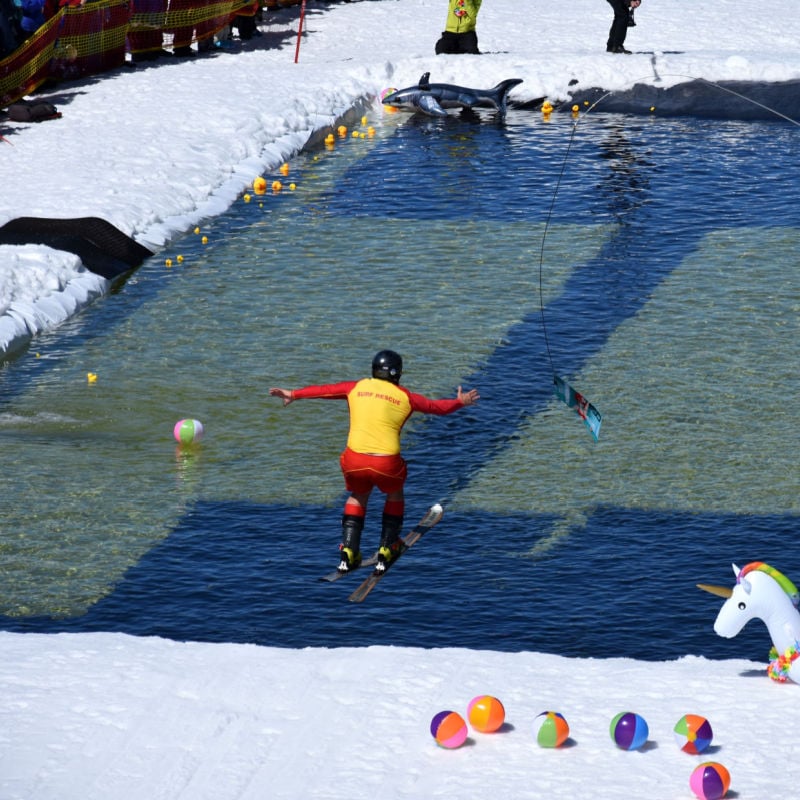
column 621, row 580
column 621, row 587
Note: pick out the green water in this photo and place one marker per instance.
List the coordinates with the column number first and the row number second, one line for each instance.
column 697, row 392
column 98, row 478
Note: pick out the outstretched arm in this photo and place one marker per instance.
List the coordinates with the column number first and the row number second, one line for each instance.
column 468, row 398
column 445, row 406
column 287, row 395
column 327, row 391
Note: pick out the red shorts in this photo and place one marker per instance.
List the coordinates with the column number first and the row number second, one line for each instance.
column 363, row 472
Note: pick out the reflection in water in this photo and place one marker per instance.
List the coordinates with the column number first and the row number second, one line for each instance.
column 187, row 462
column 454, row 153
column 625, row 184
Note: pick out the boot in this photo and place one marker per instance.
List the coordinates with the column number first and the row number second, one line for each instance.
column 351, row 542
column 390, row 541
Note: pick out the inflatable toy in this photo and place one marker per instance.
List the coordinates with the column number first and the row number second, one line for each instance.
column 552, row 731
column 435, row 98
column 449, row 729
column 628, row 730
column 188, row 431
column 710, row 781
column 693, row 733
column 486, row 714
column 761, row 592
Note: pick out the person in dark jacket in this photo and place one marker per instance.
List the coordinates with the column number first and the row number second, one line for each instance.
column 10, row 33
column 623, row 10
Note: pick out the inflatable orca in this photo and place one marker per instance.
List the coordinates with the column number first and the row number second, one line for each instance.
column 434, row 98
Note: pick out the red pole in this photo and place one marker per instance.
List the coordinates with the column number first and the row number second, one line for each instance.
column 300, row 30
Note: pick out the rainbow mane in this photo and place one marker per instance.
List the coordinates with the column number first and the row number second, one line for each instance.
column 778, row 577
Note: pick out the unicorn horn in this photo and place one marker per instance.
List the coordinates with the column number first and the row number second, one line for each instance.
column 719, row 591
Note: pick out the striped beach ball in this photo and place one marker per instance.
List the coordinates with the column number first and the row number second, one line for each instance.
column 552, row 731
column 187, row 431
column 628, row 730
column 486, row 713
column 710, row 781
column 449, row 729
column 693, row 733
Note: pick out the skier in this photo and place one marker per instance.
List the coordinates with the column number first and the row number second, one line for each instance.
column 379, row 407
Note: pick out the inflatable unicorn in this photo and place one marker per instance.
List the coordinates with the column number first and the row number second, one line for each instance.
column 761, row 592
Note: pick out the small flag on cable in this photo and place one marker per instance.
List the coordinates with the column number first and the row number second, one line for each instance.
column 583, row 408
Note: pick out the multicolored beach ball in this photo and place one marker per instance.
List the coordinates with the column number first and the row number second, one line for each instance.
column 552, row 731
column 693, row 733
column 449, row 729
column 486, row 714
column 628, row 730
column 187, row 431
column 710, row 781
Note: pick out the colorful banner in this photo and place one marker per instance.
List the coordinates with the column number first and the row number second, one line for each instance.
column 583, row 408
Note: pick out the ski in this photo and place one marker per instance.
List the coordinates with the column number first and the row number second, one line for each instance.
column 432, row 516
column 335, row 575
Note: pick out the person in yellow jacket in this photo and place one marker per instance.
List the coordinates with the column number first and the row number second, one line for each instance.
column 379, row 407
column 459, row 34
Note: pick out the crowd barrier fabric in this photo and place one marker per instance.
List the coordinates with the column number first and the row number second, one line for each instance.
column 94, row 37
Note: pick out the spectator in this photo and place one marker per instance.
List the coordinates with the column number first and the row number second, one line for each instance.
column 183, row 36
column 245, row 22
column 10, row 32
column 623, row 18
column 32, row 16
column 459, row 34
column 145, row 43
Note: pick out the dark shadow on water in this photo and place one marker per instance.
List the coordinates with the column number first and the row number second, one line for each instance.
column 219, row 577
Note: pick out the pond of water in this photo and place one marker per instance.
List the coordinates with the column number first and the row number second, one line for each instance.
column 663, row 273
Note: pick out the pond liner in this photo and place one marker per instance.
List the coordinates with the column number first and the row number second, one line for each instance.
column 104, row 249
column 729, row 100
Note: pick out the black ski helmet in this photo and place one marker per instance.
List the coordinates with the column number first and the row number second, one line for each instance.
column 388, row 366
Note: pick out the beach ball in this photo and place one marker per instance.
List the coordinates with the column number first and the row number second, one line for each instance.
column 710, row 781
column 693, row 733
column 486, row 713
column 628, row 730
column 449, row 729
column 187, row 431
column 552, row 731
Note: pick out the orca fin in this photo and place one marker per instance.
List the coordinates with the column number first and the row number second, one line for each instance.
column 430, row 105
column 500, row 93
